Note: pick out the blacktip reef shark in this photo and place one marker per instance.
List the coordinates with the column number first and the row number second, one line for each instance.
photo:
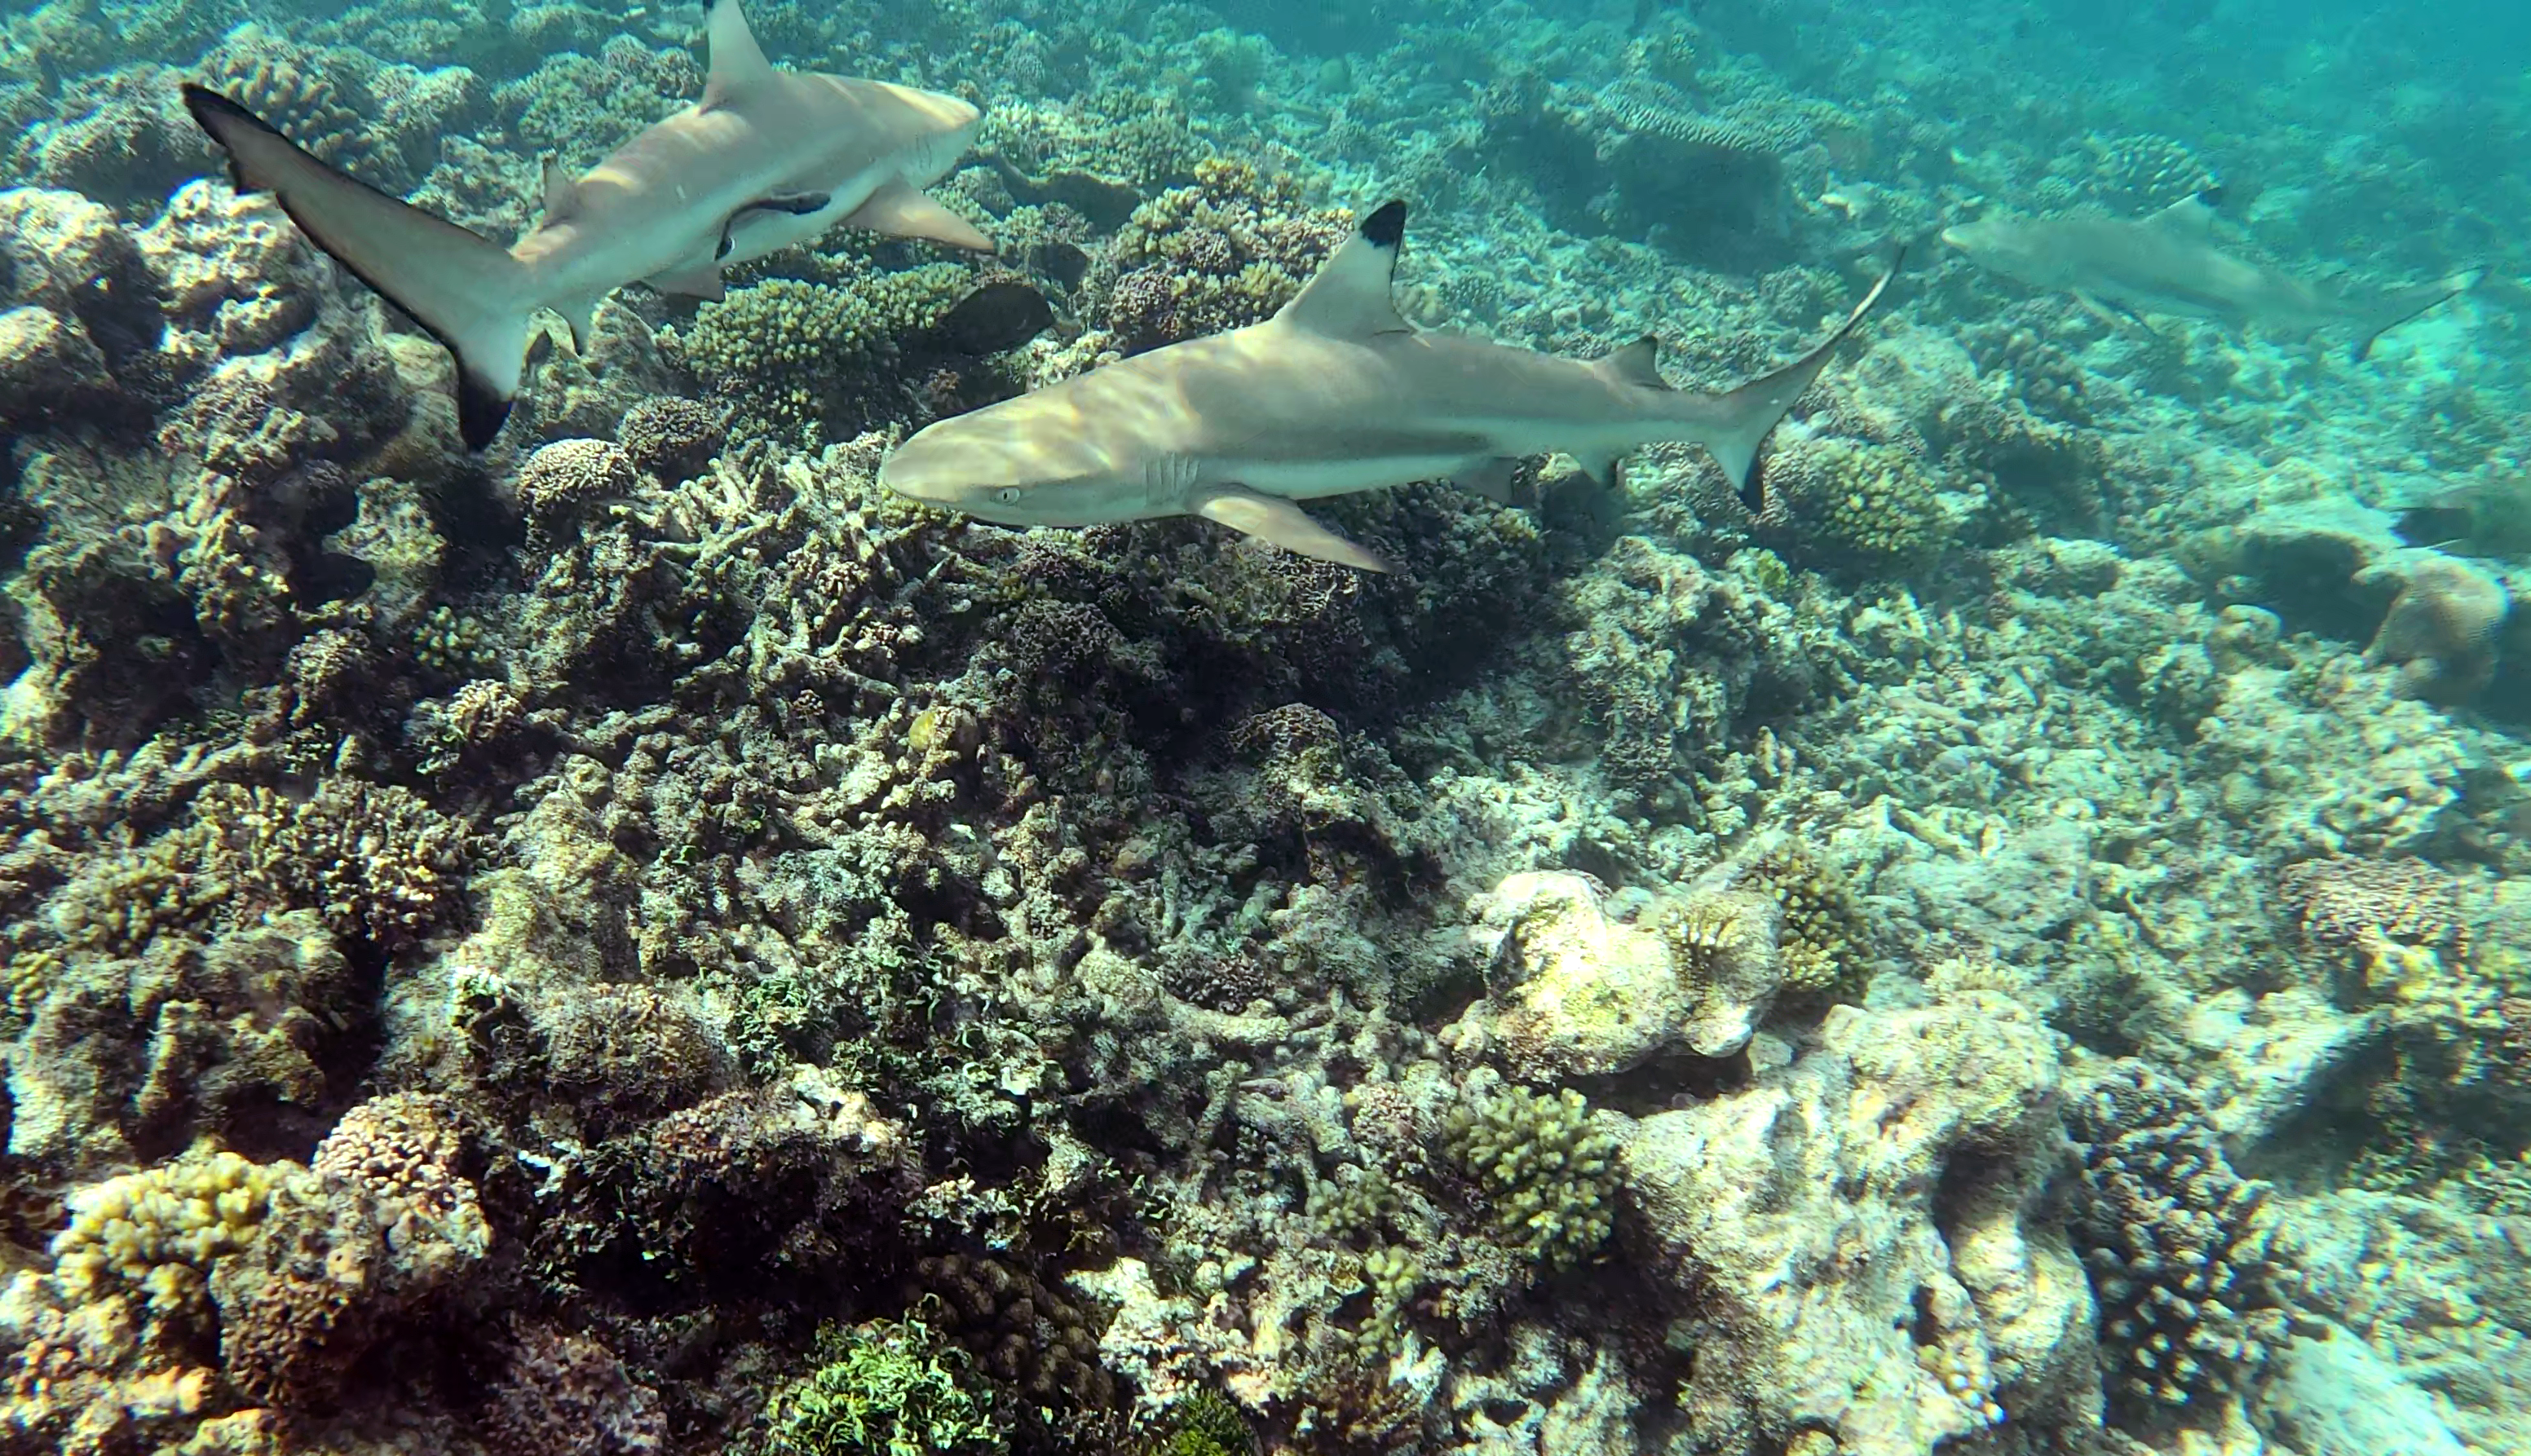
column 765, row 159
column 2168, row 263
column 1333, row 394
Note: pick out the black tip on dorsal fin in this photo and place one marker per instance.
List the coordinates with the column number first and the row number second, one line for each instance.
column 2210, row 194
column 1387, row 228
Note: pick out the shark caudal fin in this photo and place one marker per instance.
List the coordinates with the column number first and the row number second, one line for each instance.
column 2407, row 304
column 1741, row 420
column 467, row 289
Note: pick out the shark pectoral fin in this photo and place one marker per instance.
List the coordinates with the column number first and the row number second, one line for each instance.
column 902, row 210
column 738, row 64
column 2192, row 216
column 1278, row 522
column 1349, row 295
column 467, row 289
column 2116, row 315
column 562, row 193
column 1742, row 420
column 1636, row 363
column 1491, row 478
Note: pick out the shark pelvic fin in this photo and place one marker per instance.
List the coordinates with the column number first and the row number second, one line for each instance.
column 562, row 193
column 1349, row 298
column 581, row 315
column 700, row 281
column 1752, row 412
column 738, row 64
column 1491, row 478
column 1636, row 363
column 1603, row 471
column 467, row 289
column 1278, row 522
column 902, row 210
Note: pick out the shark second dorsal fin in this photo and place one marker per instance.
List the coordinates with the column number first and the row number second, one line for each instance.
column 562, row 194
column 1636, row 363
column 738, row 64
column 1349, row 298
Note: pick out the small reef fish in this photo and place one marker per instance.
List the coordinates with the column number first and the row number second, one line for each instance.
column 2168, row 263
column 1334, row 394
column 765, row 159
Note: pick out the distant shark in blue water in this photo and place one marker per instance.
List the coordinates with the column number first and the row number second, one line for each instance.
column 765, row 159
column 2168, row 263
column 1334, row 394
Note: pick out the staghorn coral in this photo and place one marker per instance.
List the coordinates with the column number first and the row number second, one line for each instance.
column 2194, row 1298
column 1548, row 1179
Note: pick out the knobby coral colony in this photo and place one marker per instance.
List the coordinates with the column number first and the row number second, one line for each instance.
column 640, row 940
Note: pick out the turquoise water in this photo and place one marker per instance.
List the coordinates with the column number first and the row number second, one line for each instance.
column 1746, row 729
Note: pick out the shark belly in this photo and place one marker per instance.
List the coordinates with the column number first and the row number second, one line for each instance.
column 1314, row 480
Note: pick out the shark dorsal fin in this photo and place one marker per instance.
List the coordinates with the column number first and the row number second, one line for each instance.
column 738, row 64
column 2189, row 217
column 1349, row 298
column 562, row 194
column 1636, row 363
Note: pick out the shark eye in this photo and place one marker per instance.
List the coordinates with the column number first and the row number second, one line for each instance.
column 1008, row 495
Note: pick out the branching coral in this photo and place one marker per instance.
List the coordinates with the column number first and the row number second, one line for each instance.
column 798, row 355
column 1550, row 1179
column 375, row 860
column 2194, row 1298
column 1823, row 939
column 1224, row 253
column 1856, row 505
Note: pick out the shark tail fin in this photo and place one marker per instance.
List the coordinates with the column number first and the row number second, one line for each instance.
column 1738, row 423
column 473, row 296
column 2407, row 304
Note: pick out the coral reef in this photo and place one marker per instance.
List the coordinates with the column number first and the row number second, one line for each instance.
column 638, row 941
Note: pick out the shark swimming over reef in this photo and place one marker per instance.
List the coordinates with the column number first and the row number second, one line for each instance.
column 2169, row 263
column 1333, row 394
column 765, row 159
